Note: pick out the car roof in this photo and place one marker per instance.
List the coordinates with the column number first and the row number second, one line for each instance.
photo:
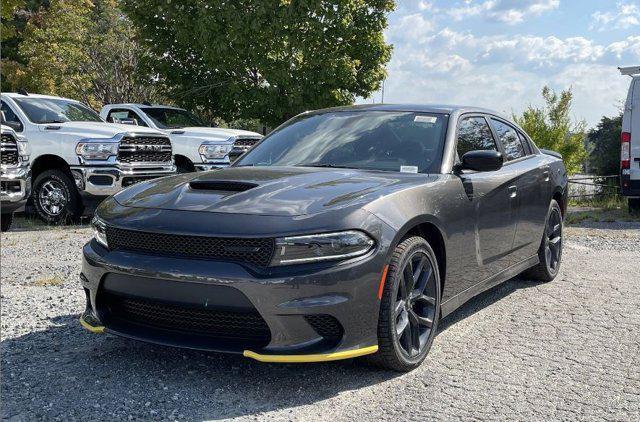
column 50, row 97
column 419, row 108
column 143, row 105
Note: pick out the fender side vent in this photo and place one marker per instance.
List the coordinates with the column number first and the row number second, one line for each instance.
column 221, row 185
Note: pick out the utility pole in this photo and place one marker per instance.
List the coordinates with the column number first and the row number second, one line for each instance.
column 383, row 90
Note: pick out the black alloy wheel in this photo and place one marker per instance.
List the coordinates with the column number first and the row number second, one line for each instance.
column 409, row 308
column 550, row 251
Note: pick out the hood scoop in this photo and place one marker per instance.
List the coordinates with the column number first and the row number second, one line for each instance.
column 221, row 185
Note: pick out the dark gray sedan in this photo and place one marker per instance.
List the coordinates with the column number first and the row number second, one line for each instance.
column 345, row 232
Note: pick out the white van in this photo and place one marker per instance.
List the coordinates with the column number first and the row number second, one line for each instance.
column 630, row 141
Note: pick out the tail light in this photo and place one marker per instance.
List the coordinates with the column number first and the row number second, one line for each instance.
column 625, row 150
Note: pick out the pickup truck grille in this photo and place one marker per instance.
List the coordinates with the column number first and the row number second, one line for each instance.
column 144, row 149
column 8, row 150
column 257, row 251
column 245, row 143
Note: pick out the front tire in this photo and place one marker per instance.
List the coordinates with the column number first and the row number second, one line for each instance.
column 5, row 221
column 55, row 197
column 409, row 308
column 550, row 251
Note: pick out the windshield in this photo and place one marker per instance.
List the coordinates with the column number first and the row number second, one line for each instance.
column 171, row 118
column 374, row 140
column 56, row 110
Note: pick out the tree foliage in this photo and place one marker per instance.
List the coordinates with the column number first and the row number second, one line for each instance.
column 551, row 127
column 604, row 146
column 265, row 59
column 82, row 49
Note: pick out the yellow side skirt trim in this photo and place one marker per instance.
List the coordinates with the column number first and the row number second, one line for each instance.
column 97, row 330
column 324, row 357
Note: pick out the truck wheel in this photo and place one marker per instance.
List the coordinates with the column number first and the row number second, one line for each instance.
column 5, row 221
column 634, row 205
column 55, row 197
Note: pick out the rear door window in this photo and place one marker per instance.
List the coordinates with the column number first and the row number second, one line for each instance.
column 474, row 134
column 509, row 138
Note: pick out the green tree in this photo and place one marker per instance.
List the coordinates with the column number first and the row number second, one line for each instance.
column 604, row 146
column 85, row 50
column 551, row 127
column 265, row 59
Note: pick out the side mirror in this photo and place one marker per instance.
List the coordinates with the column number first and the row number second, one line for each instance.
column 482, row 160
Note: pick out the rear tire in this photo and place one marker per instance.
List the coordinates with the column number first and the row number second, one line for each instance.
column 634, row 205
column 550, row 251
column 56, row 197
column 414, row 305
column 5, row 221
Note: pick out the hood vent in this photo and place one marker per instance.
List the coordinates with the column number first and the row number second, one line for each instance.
column 221, row 185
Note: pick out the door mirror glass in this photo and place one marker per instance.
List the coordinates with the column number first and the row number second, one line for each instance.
column 482, row 160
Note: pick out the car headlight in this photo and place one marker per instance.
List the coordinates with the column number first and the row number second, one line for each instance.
column 23, row 150
column 99, row 230
column 97, row 150
column 214, row 151
column 321, row 247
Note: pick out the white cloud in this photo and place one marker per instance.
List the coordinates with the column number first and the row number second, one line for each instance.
column 624, row 16
column 505, row 73
column 510, row 12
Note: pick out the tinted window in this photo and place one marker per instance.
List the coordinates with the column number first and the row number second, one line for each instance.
column 116, row 115
column 376, row 140
column 171, row 118
column 509, row 138
column 11, row 119
column 474, row 134
column 56, row 110
column 525, row 143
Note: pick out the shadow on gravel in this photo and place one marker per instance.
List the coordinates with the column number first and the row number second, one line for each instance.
column 67, row 373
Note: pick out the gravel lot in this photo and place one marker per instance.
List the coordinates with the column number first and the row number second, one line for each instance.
column 569, row 349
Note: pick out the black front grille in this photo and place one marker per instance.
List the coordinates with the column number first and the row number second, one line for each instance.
column 214, row 323
column 253, row 251
column 326, row 326
column 245, row 142
column 144, row 149
column 8, row 150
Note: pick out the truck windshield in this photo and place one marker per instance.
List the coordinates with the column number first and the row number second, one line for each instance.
column 172, row 118
column 374, row 140
column 56, row 110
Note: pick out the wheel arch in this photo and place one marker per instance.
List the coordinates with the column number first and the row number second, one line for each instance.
column 429, row 228
column 184, row 162
column 49, row 162
column 562, row 199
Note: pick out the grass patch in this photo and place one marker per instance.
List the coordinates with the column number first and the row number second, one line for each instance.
column 603, row 209
column 49, row 281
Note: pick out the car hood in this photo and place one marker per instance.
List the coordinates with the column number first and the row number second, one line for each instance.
column 214, row 134
column 96, row 129
column 277, row 191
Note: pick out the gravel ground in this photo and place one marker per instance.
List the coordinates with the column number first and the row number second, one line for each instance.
column 569, row 349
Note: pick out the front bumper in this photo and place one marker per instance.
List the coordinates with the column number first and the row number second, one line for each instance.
column 108, row 180
column 16, row 187
column 284, row 299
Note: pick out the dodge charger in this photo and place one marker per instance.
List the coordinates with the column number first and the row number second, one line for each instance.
column 346, row 232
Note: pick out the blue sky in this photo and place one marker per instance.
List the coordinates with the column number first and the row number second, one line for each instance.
column 500, row 53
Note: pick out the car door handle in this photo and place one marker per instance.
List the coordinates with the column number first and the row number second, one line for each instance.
column 52, row 128
column 513, row 191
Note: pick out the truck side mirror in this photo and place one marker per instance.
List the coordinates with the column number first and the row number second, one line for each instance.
column 127, row 121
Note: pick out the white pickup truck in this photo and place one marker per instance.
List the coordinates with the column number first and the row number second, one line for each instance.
column 15, row 175
column 76, row 157
column 195, row 146
column 630, row 141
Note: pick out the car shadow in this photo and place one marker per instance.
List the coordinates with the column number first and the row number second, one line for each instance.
column 65, row 372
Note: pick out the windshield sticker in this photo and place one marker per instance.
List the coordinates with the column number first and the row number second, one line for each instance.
column 425, row 119
column 408, row 169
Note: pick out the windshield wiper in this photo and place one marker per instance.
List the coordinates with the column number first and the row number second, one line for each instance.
column 323, row 165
